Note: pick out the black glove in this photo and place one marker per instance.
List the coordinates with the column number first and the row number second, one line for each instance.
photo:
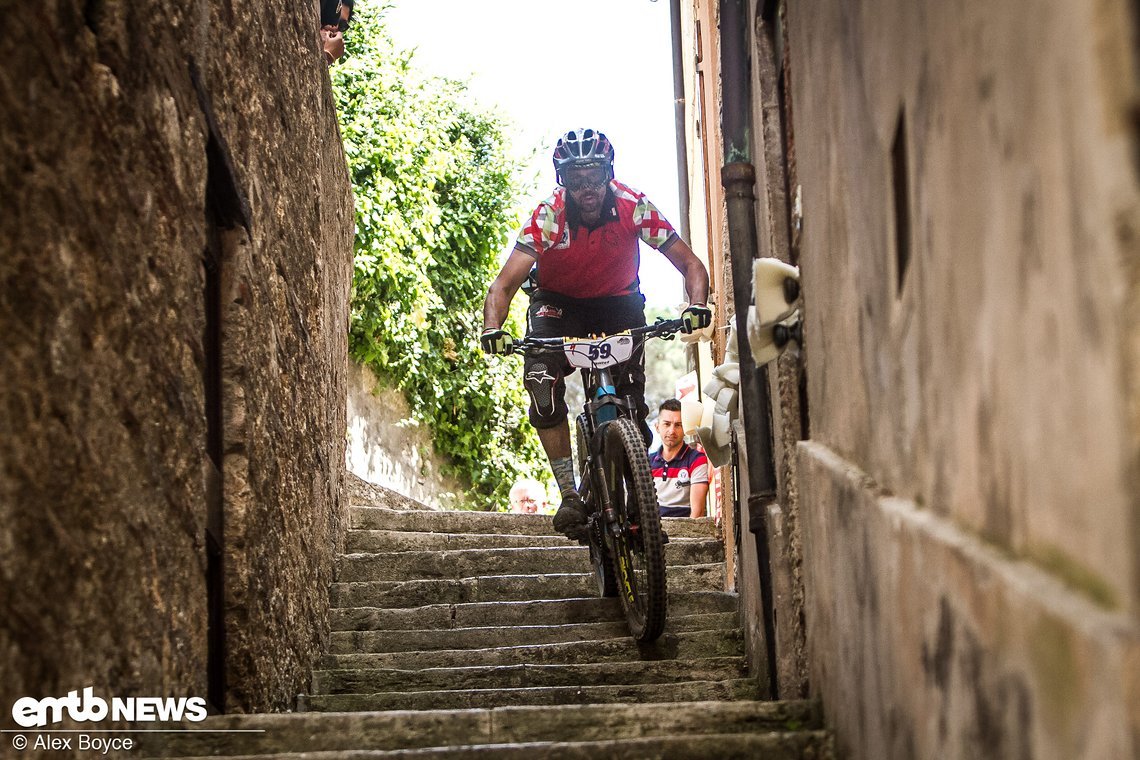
column 696, row 317
column 496, row 341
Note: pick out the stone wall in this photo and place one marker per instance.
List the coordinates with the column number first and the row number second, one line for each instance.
column 969, row 259
column 387, row 447
column 136, row 143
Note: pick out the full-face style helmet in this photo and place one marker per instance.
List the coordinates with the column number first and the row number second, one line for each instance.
column 583, row 149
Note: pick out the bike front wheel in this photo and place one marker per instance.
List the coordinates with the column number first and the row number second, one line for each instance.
column 635, row 542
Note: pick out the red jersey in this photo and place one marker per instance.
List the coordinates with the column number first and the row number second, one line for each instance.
column 593, row 263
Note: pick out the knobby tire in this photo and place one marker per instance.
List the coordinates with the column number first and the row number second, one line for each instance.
column 603, row 570
column 638, row 558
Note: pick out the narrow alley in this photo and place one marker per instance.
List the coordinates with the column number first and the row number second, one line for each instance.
column 919, row 395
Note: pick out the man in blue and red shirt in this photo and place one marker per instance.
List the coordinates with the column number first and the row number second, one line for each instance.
column 584, row 240
column 680, row 472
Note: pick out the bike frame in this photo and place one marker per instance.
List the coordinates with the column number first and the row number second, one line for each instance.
column 612, row 536
column 602, row 406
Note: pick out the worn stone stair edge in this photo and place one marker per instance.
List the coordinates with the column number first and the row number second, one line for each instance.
column 586, row 609
column 517, row 724
column 525, row 676
column 472, row 571
column 773, row 745
column 370, row 594
column 671, row 646
column 703, row 570
column 379, row 540
column 396, row 594
column 545, row 552
column 365, row 517
column 798, row 711
column 816, row 745
column 461, row 563
column 479, row 637
column 683, row 691
column 709, row 568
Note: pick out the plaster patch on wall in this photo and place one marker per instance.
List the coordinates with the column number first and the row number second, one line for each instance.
column 387, row 447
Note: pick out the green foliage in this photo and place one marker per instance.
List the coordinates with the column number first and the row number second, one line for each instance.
column 665, row 363
column 434, row 190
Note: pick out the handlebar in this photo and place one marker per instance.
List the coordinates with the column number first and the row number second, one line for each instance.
column 662, row 328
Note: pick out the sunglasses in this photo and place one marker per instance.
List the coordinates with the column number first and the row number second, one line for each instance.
column 595, row 179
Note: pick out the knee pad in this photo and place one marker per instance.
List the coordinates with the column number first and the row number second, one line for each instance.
column 543, row 380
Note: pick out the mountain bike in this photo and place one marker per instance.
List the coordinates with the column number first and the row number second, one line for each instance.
column 625, row 538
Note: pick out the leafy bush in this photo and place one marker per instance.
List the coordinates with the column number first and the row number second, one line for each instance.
column 435, row 192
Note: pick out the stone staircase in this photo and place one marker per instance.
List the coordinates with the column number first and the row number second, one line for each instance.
column 459, row 634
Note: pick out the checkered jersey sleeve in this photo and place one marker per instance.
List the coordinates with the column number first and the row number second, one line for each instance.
column 540, row 231
column 652, row 226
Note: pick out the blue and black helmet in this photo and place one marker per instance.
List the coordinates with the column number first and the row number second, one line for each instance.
column 583, row 149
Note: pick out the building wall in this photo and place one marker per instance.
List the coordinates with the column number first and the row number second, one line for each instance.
column 767, row 148
column 386, row 446
column 969, row 493
column 775, row 178
column 708, row 223
column 109, row 116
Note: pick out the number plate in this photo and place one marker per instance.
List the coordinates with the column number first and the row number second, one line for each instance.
column 598, row 353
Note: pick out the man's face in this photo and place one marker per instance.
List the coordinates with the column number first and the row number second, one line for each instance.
column 669, row 428
column 587, row 187
column 527, row 502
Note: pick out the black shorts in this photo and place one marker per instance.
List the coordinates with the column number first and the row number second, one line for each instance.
column 555, row 316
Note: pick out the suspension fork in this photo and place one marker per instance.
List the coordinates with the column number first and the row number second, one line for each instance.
column 601, row 384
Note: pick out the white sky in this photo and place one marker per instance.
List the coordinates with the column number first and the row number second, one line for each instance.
column 554, row 65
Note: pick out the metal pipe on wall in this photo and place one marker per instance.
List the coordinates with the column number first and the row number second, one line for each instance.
column 739, row 177
column 679, row 118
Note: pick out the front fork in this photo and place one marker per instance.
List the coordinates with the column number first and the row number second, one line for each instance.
column 603, row 386
column 608, row 512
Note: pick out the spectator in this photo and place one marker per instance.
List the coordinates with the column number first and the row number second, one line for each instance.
column 332, row 43
column 680, row 472
column 528, row 497
column 335, row 15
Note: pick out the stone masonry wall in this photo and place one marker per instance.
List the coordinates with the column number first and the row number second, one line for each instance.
column 969, row 496
column 386, row 446
column 104, row 176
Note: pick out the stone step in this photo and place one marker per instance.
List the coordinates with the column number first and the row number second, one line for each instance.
column 504, row 588
column 355, row 681
column 378, row 518
column 372, row 541
column 530, row 560
column 404, row 729
column 590, row 609
column 671, row 646
column 773, row 745
column 354, row 642
column 395, row 540
column 685, row 691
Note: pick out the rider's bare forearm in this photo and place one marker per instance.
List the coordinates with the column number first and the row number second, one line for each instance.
column 503, row 289
column 697, row 283
column 496, row 306
column 681, row 256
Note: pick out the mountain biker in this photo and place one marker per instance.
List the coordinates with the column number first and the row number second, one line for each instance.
column 584, row 240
